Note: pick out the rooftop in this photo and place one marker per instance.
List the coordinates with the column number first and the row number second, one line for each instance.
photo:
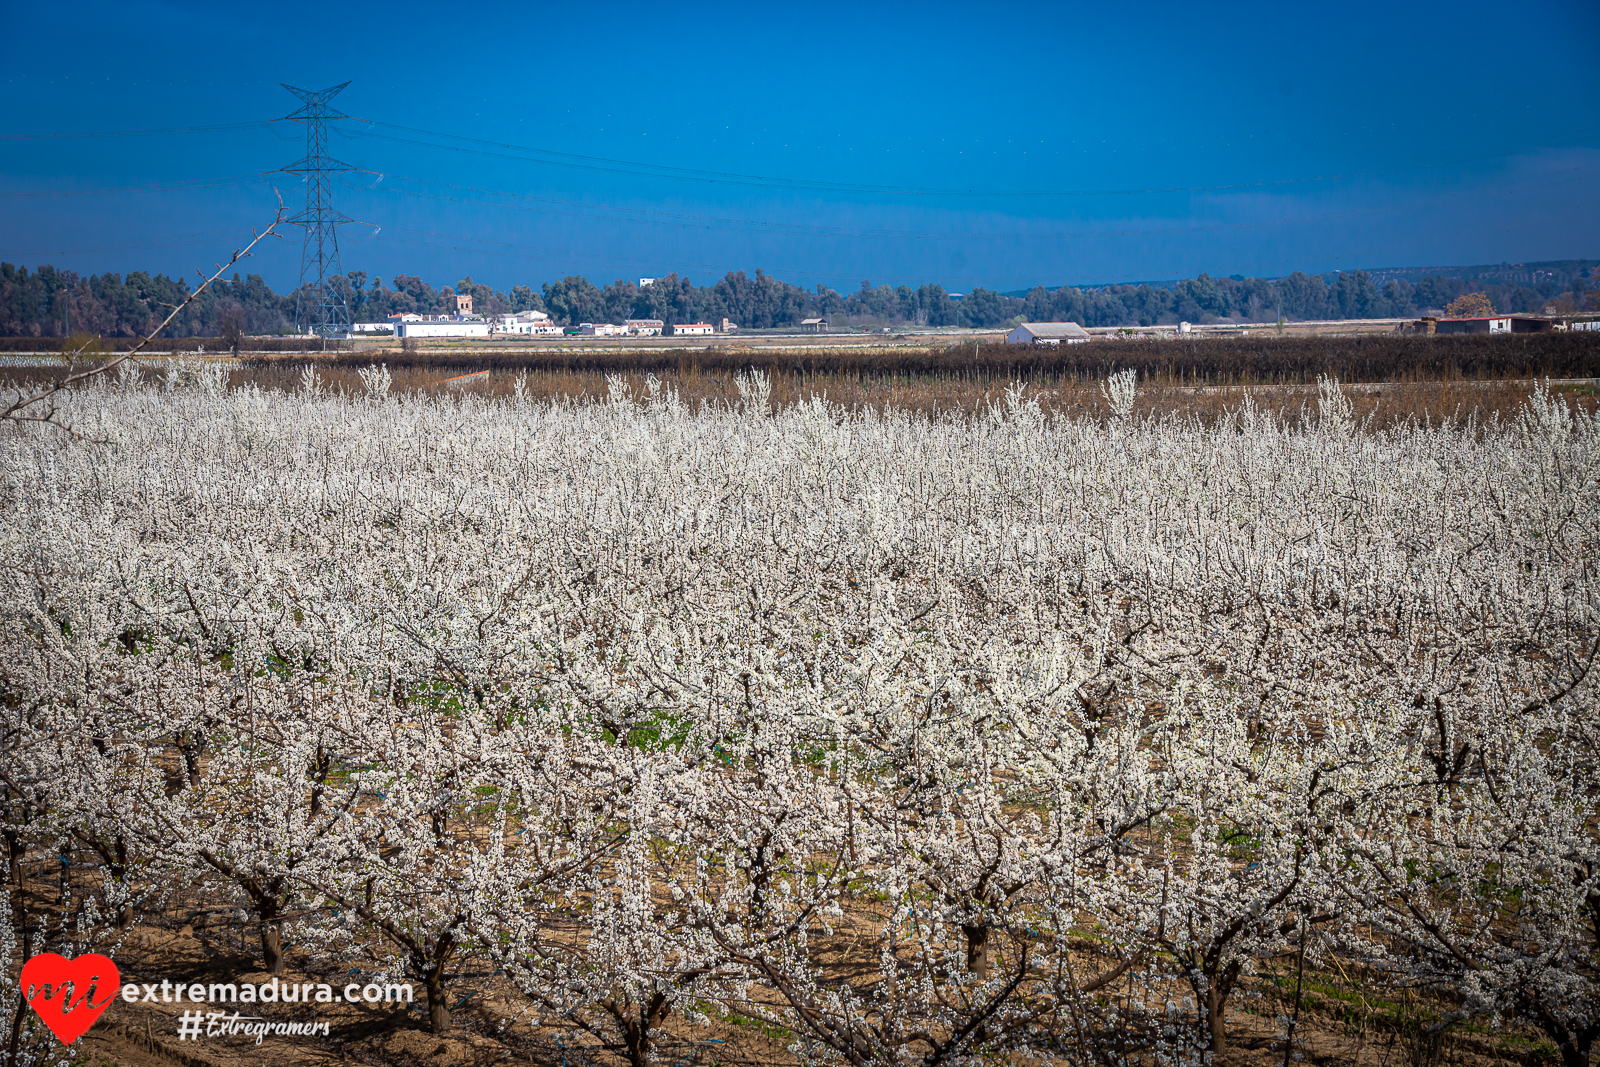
column 1054, row 329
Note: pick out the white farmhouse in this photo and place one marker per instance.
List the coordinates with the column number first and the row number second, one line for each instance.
column 643, row 327
column 526, row 324
column 693, row 329
column 1047, row 333
column 600, row 329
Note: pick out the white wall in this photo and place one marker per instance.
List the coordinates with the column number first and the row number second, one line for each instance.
column 444, row 329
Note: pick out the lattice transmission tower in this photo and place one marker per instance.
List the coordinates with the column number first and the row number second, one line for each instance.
column 318, row 307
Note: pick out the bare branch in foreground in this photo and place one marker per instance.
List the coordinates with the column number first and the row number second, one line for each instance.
column 18, row 411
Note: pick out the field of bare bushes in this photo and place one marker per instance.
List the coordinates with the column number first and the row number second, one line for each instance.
column 636, row 727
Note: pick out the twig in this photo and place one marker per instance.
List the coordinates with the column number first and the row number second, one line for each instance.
column 17, row 411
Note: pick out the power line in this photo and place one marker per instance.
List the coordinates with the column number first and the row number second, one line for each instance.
column 640, row 169
column 202, row 237
column 140, row 133
column 178, row 183
column 793, row 229
column 1142, row 276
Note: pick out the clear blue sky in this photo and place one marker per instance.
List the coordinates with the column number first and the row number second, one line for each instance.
column 999, row 145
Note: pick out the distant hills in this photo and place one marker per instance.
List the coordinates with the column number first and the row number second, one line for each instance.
column 1559, row 271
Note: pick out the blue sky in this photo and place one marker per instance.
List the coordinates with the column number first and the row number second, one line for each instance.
column 998, row 145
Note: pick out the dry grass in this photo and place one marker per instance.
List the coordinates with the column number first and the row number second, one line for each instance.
column 1396, row 378
column 1377, row 405
column 1428, row 402
column 1257, row 360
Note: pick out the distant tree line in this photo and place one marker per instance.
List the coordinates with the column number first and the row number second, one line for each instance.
column 40, row 303
column 46, row 301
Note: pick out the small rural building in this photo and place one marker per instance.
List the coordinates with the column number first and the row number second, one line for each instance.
column 727, row 327
column 692, row 329
column 416, row 326
column 600, row 329
column 814, row 325
column 1495, row 324
column 1047, row 333
column 644, row 327
column 527, row 324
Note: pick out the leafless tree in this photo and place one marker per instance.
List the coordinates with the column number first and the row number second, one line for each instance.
column 230, row 327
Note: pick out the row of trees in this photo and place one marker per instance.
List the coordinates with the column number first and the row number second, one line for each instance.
column 51, row 303
column 42, row 302
column 926, row 741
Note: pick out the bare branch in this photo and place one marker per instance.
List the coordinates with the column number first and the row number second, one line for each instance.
column 17, row 410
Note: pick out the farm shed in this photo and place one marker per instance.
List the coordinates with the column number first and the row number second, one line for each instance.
column 814, row 325
column 1495, row 324
column 1047, row 333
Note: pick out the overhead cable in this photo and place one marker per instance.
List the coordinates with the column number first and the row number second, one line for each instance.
column 180, row 183
column 203, row 237
column 712, row 222
column 219, row 127
column 640, row 169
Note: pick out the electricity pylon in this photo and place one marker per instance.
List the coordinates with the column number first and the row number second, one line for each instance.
column 318, row 308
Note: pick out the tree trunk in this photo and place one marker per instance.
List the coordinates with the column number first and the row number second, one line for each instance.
column 14, row 850
column 268, row 902
column 638, row 1025
column 635, row 1036
column 977, row 949
column 272, row 947
column 438, row 1005
column 1216, row 1023
column 271, row 935
column 978, row 965
column 119, row 875
column 1574, row 1049
column 1573, row 1046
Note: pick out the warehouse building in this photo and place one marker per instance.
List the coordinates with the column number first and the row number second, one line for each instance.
column 1047, row 333
column 418, row 326
column 1495, row 324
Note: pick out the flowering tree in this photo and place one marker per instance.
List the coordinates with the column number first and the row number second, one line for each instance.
column 923, row 739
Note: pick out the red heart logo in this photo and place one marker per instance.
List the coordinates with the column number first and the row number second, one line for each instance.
column 63, row 991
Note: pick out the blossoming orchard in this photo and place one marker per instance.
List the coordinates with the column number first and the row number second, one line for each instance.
column 1011, row 739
